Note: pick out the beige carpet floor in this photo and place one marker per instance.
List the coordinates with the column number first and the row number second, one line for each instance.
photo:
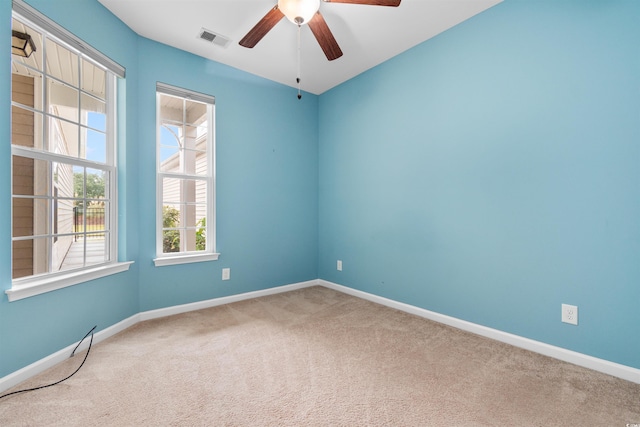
column 316, row 357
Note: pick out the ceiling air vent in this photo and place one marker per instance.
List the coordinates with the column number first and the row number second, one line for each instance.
column 211, row 37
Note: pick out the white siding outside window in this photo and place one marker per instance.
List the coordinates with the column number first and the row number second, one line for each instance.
column 185, row 214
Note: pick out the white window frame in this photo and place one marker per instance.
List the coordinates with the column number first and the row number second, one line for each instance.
column 46, row 282
column 184, row 257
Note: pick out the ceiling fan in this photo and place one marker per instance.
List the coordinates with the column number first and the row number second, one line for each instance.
column 302, row 12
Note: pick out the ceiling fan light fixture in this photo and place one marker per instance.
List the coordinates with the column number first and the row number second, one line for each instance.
column 299, row 11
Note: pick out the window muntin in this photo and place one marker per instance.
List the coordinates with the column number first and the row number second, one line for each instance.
column 185, row 167
column 63, row 159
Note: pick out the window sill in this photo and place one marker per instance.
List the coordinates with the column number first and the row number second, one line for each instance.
column 39, row 286
column 184, row 259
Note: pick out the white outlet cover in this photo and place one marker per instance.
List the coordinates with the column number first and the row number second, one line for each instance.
column 570, row 314
column 226, row 273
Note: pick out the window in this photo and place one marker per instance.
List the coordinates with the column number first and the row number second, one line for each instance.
column 63, row 159
column 185, row 176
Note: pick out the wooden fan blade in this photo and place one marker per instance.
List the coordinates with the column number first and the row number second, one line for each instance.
column 262, row 28
column 393, row 3
column 325, row 38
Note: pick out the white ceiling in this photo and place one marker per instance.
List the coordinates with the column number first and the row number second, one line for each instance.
column 367, row 35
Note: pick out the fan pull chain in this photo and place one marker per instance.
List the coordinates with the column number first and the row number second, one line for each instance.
column 298, row 77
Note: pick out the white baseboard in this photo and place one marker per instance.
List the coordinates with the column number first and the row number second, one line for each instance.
column 50, row 361
column 617, row 370
column 43, row 364
column 177, row 309
column 600, row 365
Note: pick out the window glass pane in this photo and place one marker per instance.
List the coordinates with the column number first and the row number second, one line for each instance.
column 106, row 176
column 94, row 145
column 95, row 185
column 93, row 112
column 196, row 112
column 200, row 192
column 90, row 205
column 171, row 215
column 94, row 79
column 22, row 210
column 171, row 191
column 184, row 191
column 196, row 235
column 23, row 176
column 62, row 63
column 170, row 144
column 64, row 180
column 26, row 88
column 30, row 177
column 201, row 218
column 94, row 217
column 63, row 100
column 195, row 162
column 22, row 251
column 29, row 216
column 63, row 137
column 84, row 251
column 63, row 216
column 26, row 128
column 170, row 240
column 201, row 236
column 170, row 228
column 78, row 182
column 170, row 135
column 78, row 219
column 97, row 248
column 74, row 258
column 31, row 256
column 183, row 155
column 191, row 240
column 201, row 137
column 195, row 143
column 170, row 159
column 194, row 214
column 171, row 109
column 189, row 161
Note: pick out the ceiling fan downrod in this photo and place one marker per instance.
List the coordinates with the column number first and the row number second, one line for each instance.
column 298, row 77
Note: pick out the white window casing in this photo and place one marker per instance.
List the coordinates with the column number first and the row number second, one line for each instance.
column 185, row 176
column 69, row 80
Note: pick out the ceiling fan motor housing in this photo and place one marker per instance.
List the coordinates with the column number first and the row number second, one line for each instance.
column 299, row 11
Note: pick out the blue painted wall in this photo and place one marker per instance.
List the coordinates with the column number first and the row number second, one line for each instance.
column 33, row 328
column 493, row 173
column 267, row 181
column 267, row 190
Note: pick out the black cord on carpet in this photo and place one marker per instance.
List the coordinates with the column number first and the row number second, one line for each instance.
column 64, row 379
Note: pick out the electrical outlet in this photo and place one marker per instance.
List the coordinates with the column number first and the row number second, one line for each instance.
column 339, row 265
column 570, row 314
column 226, row 273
